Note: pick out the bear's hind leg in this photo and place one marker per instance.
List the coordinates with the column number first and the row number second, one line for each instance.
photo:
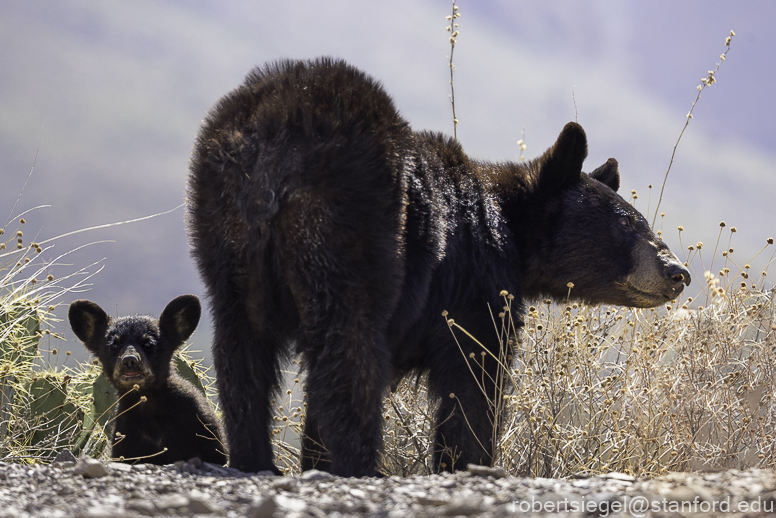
column 246, row 358
column 346, row 381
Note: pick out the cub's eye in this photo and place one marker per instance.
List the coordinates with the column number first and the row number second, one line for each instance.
column 148, row 343
column 114, row 343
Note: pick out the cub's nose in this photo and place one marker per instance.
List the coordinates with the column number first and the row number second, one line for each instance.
column 678, row 274
column 130, row 360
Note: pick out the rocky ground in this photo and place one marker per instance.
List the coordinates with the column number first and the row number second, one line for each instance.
column 87, row 488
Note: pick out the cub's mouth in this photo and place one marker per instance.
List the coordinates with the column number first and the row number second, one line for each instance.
column 125, row 380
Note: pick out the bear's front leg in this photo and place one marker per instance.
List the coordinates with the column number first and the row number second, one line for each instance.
column 464, row 380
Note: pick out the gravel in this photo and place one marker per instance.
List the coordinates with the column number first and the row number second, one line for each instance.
column 88, row 488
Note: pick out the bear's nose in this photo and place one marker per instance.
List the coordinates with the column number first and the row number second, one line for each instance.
column 679, row 274
column 130, row 359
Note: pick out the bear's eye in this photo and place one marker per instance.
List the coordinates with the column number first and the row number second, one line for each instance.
column 148, row 343
column 114, row 342
column 625, row 222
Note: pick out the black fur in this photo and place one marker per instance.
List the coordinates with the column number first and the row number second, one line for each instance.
column 319, row 218
column 138, row 351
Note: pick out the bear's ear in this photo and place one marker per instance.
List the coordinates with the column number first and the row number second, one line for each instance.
column 89, row 322
column 608, row 174
column 561, row 165
column 180, row 318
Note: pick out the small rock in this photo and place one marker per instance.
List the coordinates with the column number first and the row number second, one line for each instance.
column 120, row 466
column 90, row 468
column 102, row 511
column 199, row 505
column 143, row 507
column 65, row 456
column 290, row 504
column 582, row 483
column 600, row 501
column 358, row 493
column 262, row 508
column 461, row 507
column 486, row 471
column 171, row 501
column 314, row 474
column 285, row 483
column 430, row 501
column 622, row 477
column 195, row 461
column 215, row 469
column 686, row 494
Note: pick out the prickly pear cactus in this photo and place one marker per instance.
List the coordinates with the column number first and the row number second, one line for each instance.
column 19, row 336
column 54, row 419
column 188, row 373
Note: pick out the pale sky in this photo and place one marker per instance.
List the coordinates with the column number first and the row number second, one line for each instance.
column 110, row 95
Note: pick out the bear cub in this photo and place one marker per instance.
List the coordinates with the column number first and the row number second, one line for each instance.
column 161, row 417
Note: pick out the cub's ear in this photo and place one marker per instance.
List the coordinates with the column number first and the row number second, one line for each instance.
column 608, row 174
column 89, row 323
column 180, row 318
column 561, row 166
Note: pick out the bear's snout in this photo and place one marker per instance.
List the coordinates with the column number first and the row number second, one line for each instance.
column 130, row 360
column 678, row 274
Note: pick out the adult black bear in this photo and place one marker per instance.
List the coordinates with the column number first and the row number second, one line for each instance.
column 137, row 351
column 319, row 218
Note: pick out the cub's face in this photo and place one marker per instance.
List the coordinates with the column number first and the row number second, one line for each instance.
column 135, row 350
column 132, row 353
